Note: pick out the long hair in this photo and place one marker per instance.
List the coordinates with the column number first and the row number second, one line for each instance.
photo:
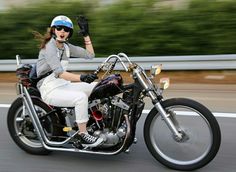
column 43, row 39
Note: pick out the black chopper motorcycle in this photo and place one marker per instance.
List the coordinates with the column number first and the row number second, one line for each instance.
column 180, row 133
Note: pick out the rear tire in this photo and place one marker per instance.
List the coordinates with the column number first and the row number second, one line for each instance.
column 21, row 128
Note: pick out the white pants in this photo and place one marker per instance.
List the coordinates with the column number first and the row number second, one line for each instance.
column 72, row 95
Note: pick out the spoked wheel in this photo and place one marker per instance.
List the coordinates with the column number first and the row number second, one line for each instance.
column 200, row 132
column 21, row 128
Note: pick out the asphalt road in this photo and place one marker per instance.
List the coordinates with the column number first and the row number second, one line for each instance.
column 217, row 98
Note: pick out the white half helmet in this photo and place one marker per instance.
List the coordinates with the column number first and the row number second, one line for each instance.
column 62, row 20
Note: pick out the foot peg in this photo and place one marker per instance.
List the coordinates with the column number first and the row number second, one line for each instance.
column 77, row 144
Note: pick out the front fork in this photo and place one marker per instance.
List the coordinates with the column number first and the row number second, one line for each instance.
column 178, row 135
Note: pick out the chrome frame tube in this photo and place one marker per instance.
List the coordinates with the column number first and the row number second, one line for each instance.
column 117, row 57
column 27, row 104
column 125, row 56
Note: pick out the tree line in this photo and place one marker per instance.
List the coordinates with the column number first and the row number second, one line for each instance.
column 137, row 28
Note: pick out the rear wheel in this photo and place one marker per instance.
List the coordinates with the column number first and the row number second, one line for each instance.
column 21, row 128
column 199, row 128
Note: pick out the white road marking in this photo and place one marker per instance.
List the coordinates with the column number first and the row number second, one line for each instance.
column 146, row 111
column 5, row 105
column 216, row 114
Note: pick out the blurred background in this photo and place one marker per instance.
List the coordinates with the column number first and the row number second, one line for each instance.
column 138, row 28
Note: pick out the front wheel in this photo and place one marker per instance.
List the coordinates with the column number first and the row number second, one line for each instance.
column 201, row 136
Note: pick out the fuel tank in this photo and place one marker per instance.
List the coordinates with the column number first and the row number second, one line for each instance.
column 109, row 86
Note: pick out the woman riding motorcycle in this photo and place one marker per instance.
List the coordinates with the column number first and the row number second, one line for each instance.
column 62, row 88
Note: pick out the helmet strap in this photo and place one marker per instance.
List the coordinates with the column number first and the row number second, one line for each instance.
column 55, row 37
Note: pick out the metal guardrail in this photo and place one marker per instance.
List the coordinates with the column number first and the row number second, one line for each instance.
column 196, row 62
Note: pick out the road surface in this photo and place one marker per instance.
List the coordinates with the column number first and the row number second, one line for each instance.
column 219, row 98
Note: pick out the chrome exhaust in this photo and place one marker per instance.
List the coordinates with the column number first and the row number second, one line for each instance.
column 51, row 148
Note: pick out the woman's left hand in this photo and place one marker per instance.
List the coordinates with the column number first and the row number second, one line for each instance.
column 83, row 24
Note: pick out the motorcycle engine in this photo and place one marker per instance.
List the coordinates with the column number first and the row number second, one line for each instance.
column 107, row 119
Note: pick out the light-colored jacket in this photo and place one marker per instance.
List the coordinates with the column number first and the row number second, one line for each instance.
column 56, row 60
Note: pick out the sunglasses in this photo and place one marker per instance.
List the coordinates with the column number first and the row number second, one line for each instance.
column 66, row 29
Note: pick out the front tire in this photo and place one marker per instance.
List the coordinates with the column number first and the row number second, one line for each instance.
column 22, row 130
column 202, row 136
